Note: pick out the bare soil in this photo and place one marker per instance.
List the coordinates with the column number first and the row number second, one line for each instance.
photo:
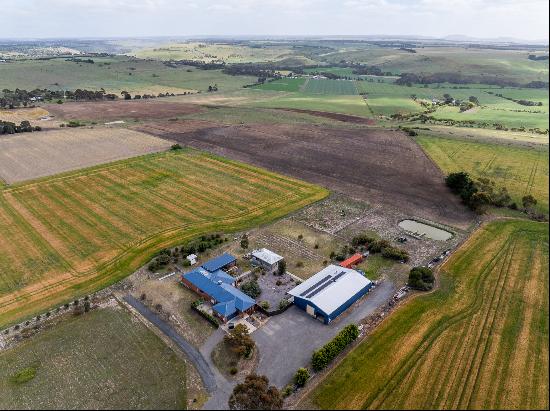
column 116, row 110
column 378, row 166
column 333, row 116
column 27, row 156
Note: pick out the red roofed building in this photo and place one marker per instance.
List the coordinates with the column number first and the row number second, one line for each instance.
column 353, row 260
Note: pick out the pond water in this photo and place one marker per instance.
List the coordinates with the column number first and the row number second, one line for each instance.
column 426, row 230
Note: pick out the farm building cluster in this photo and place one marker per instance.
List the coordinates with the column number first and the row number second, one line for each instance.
column 324, row 296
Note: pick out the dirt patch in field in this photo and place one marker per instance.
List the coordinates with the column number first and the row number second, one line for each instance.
column 377, row 166
column 115, row 110
column 31, row 155
column 346, row 118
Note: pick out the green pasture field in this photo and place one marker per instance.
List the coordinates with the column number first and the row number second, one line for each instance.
column 510, row 64
column 101, row 360
column 284, row 84
column 386, row 99
column 521, row 170
column 480, row 341
column 77, row 232
column 330, row 87
column 229, row 53
column 114, row 74
column 353, row 105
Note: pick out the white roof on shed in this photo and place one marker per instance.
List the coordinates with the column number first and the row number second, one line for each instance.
column 267, row 256
column 331, row 287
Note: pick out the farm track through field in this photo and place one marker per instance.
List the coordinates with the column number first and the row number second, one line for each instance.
column 120, row 214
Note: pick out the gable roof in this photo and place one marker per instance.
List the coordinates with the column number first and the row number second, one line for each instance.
column 220, row 275
column 228, row 298
column 242, row 301
column 267, row 256
column 219, row 262
column 225, row 309
column 331, row 287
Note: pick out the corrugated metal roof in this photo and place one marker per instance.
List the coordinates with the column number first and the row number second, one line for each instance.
column 225, row 309
column 220, row 275
column 353, row 260
column 242, row 301
column 219, row 262
column 203, row 283
column 328, row 294
column 267, row 256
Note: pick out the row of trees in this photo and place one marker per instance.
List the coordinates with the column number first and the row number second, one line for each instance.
column 482, row 193
column 409, row 79
column 328, row 352
column 7, row 127
column 375, row 245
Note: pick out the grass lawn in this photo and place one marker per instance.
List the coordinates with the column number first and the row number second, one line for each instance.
column 522, row 170
column 480, row 341
column 101, row 360
column 81, row 231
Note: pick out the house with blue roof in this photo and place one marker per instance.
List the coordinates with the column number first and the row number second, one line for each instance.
column 218, row 287
column 221, row 262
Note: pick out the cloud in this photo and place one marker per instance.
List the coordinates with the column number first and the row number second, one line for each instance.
column 103, row 18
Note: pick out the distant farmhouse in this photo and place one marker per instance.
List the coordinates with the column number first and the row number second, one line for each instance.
column 213, row 283
column 266, row 259
column 330, row 292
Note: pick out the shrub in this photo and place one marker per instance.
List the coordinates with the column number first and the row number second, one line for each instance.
column 252, row 289
column 301, row 377
column 283, row 304
column 176, row 147
column 264, row 305
column 23, row 376
column 421, row 278
column 288, row 390
column 324, row 355
column 233, row 371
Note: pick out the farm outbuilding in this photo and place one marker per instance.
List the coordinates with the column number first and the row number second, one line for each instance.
column 330, row 292
column 266, row 259
column 353, row 260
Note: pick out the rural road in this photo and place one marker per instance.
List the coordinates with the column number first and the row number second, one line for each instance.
column 202, row 366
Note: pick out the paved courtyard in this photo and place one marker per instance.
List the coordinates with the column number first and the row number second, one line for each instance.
column 287, row 341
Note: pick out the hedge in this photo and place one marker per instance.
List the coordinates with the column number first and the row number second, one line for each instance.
column 324, row 355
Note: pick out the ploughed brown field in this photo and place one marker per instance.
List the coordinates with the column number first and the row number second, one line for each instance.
column 120, row 110
column 379, row 166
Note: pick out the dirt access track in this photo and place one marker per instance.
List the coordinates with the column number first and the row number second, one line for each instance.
column 120, row 110
column 378, row 166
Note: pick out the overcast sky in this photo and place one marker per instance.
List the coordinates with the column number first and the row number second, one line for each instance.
column 524, row 19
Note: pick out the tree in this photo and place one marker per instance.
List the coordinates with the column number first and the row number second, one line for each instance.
column 421, row 278
column 255, row 394
column 239, row 341
column 281, row 268
column 244, row 242
column 301, row 377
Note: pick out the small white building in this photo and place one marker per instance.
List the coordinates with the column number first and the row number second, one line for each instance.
column 266, row 259
column 192, row 258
